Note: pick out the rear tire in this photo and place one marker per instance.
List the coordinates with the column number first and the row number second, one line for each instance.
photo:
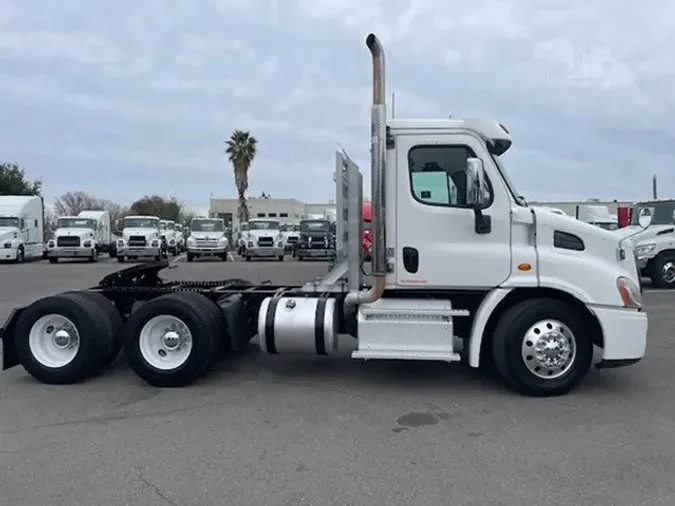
column 559, row 331
column 53, row 260
column 114, row 321
column 121, row 259
column 280, row 258
column 176, row 357
column 190, row 257
column 70, row 357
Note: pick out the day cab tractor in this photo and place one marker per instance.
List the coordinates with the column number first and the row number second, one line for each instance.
column 462, row 269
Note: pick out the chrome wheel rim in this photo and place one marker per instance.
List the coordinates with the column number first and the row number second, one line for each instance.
column 549, row 349
column 165, row 342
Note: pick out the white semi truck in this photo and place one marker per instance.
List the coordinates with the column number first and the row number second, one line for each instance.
column 141, row 238
column 169, row 236
column 264, row 239
column 652, row 231
column 523, row 292
column 86, row 235
column 21, row 228
column 597, row 215
column 208, row 238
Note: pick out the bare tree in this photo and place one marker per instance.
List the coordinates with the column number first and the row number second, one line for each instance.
column 73, row 203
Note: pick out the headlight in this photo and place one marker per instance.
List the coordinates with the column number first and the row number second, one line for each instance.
column 172, row 241
column 645, row 250
column 250, row 244
column 87, row 244
column 223, row 240
column 191, row 240
column 155, row 243
column 629, row 292
column 280, row 244
column 120, row 243
column 51, row 244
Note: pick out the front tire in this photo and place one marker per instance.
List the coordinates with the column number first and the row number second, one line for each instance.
column 541, row 348
column 662, row 271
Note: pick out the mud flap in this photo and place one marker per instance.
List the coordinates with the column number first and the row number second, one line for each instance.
column 9, row 356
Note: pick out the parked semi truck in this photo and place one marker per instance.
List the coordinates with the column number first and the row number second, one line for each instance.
column 86, row 235
column 208, row 238
column 264, row 240
column 141, row 238
column 21, row 228
column 652, row 231
column 317, row 240
column 525, row 293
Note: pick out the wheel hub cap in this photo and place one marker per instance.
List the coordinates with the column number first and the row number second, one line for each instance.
column 171, row 339
column 62, row 338
column 549, row 349
column 668, row 272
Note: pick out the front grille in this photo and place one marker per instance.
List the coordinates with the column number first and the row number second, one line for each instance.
column 211, row 243
column 265, row 241
column 137, row 240
column 68, row 241
column 317, row 243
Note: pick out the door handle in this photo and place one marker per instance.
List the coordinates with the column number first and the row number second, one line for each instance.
column 411, row 259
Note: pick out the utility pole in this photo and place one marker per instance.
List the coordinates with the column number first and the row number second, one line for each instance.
column 654, row 189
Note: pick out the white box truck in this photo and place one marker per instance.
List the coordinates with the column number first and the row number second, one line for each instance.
column 21, row 228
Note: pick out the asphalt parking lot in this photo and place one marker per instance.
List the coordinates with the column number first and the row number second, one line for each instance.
column 291, row 431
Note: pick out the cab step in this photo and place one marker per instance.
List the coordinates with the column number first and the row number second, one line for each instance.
column 407, row 329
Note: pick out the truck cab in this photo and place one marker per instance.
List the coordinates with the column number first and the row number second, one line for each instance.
column 652, row 231
column 316, row 240
column 208, row 238
column 264, row 240
column 168, row 234
column 598, row 215
column 21, row 228
column 74, row 237
column 141, row 239
column 291, row 233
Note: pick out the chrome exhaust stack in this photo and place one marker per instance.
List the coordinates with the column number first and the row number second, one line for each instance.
column 378, row 143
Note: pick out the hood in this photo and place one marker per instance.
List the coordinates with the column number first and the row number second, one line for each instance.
column 639, row 234
column 139, row 231
column 215, row 234
column 8, row 233
column 78, row 232
column 264, row 233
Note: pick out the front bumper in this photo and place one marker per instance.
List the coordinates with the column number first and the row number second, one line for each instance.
column 66, row 252
column 314, row 253
column 205, row 251
column 8, row 253
column 127, row 251
column 625, row 335
column 267, row 251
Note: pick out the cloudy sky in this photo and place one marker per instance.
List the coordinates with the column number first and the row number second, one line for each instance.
column 122, row 98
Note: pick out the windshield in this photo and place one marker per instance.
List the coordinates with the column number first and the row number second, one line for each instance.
column 661, row 212
column 507, row 180
column 207, row 225
column 313, row 226
column 162, row 225
column 141, row 222
column 9, row 222
column 284, row 227
column 263, row 225
column 75, row 223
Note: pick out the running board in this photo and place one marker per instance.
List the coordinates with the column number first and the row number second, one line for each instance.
column 407, row 355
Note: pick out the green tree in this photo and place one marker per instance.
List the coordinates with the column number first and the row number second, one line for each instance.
column 241, row 150
column 165, row 209
column 13, row 181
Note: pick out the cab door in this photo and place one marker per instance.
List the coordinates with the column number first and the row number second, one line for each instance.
column 438, row 245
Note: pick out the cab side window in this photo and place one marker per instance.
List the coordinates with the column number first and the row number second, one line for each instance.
column 438, row 175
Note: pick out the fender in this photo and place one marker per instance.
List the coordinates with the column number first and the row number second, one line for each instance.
column 490, row 302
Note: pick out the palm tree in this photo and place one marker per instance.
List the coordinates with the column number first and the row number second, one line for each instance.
column 241, row 150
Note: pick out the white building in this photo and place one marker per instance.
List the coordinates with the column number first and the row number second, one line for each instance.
column 283, row 209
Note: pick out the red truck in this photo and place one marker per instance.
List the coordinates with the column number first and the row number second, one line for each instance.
column 366, row 240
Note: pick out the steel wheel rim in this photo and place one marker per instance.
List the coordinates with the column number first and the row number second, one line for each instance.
column 165, row 342
column 54, row 341
column 549, row 349
column 668, row 272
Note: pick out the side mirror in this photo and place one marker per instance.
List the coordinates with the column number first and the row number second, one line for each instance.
column 475, row 183
column 672, row 216
column 644, row 218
